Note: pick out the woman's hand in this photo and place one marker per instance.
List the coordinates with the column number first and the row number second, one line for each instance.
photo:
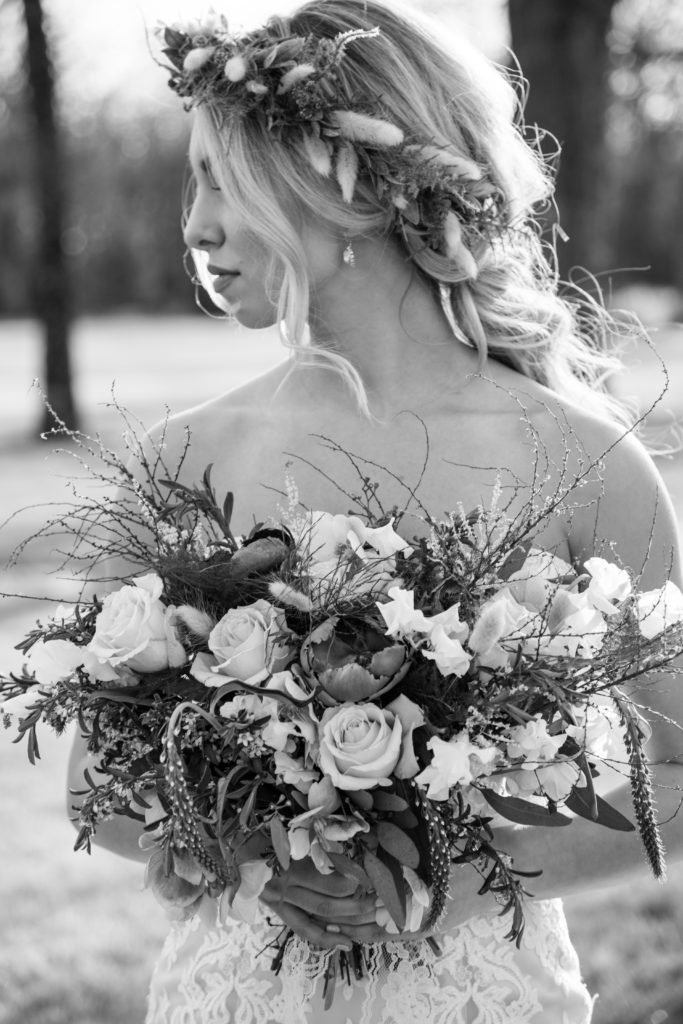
column 326, row 910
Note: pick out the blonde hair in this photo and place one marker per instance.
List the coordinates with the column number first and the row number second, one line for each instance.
column 450, row 96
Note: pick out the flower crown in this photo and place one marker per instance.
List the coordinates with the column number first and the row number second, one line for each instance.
column 293, row 84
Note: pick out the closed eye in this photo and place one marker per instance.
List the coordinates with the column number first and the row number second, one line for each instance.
column 205, row 167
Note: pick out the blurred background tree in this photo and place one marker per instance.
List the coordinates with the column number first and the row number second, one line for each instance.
column 49, row 281
column 561, row 46
column 606, row 79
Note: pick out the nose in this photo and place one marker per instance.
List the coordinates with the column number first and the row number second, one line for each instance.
column 202, row 229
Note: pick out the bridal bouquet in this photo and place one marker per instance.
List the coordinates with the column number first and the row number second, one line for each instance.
column 322, row 688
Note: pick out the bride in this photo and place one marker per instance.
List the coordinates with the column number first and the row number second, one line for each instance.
column 378, row 202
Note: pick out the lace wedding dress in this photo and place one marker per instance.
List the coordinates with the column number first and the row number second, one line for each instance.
column 211, row 973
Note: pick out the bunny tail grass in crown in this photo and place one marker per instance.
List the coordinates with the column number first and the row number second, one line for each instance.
column 293, row 85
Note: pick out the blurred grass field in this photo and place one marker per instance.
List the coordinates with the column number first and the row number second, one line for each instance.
column 77, row 935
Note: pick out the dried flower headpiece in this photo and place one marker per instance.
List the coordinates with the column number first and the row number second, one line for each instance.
column 293, row 84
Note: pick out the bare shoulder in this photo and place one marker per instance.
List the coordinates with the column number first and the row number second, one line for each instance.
column 222, row 428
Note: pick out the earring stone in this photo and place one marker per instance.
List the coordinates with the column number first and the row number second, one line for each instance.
column 349, row 256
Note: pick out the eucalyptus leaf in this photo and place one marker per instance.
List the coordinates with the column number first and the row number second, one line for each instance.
column 361, row 798
column 609, row 816
column 350, row 869
column 384, row 884
column 394, row 840
column 523, row 812
column 405, row 819
column 384, row 801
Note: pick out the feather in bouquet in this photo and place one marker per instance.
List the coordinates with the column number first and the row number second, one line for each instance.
column 323, row 689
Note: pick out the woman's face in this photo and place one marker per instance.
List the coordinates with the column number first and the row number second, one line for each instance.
column 237, row 262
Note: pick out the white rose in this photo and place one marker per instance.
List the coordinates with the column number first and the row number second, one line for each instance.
column 456, row 762
column 136, row 629
column 360, row 745
column 608, row 584
column 658, row 609
column 247, row 644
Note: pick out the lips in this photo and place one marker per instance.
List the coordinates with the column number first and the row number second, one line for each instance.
column 222, row 279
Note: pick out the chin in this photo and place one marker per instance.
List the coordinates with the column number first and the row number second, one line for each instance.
column 253, row 319
column 253, row 315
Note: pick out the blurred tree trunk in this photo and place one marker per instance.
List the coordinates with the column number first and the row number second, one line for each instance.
column 562, row 48
column 51, row 285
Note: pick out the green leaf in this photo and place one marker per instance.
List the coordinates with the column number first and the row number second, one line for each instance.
column 523, row 812
column 398, row 844
column 388, row 801
column 384, row 884
column 278, row 835
column 350, row 869
column 361, row 798
column 579, row 802
column 405, row 819
column 246, row 812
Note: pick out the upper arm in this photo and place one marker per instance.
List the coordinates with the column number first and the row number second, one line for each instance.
column 625, row 513
column 632, row 521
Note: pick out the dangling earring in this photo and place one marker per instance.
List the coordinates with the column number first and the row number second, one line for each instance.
column 349, row 256
column 446, row 305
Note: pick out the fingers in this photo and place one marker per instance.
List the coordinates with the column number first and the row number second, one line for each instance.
column 330, row 908
column 371, row 932
column 303, row 875
column 307, row 928
column 351, row 921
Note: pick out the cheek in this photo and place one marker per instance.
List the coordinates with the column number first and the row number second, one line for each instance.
column 323, row 257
